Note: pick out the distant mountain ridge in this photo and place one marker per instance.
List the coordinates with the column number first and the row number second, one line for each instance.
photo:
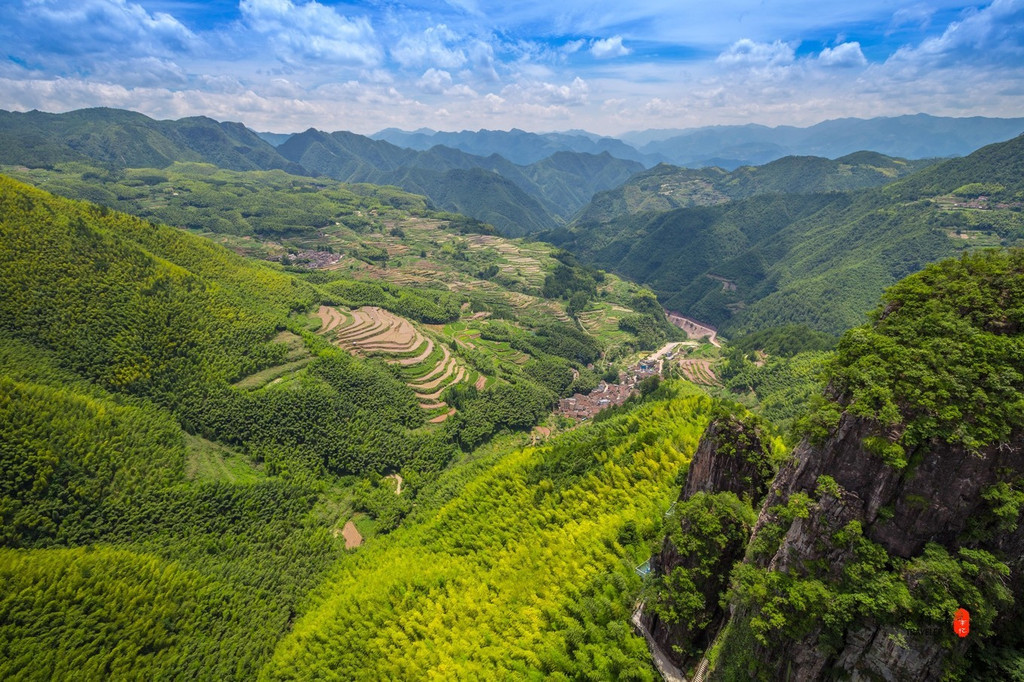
column 666, row 187
column 518, row 146
column 519, row 199
column 516, row 199
column 917, row 136
column 519, row 196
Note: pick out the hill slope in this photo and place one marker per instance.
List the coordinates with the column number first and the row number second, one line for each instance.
column 516, row 199
column 814, row 259
column 115, row 138
column 666, row 187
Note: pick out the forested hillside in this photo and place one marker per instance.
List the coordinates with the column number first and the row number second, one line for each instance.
column 665, row 187
column 517, row 199
column 815, row 259
column 526, row 570
column 116, row 138
column 178, row 446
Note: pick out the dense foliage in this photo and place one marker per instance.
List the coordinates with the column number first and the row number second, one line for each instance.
column 818, row 259
column 520, row 574
column 666, row 187
column 943, row 358
column 157, row 313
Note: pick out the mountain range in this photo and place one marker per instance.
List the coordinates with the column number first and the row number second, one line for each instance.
column 918, row 136
column 520, row 182
column 515, row 199
column 817, row 259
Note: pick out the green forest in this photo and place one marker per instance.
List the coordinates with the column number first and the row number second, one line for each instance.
column 815, row 259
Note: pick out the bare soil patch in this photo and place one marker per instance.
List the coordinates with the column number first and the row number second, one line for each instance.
column 351, row 534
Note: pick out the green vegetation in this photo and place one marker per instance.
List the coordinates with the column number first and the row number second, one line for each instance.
column 666, row 187
column 940, row 361
column 202, row 197
column 937, row 370
column 818, row 260
column 521, row 573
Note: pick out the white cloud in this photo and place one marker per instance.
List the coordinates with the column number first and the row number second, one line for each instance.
column 573, row 46
column 481, row 62
column 746, row 52
column 76, row 36
column 917, row 16
column 573, row 94
column 429, row 48
column 993, row 36
column 845, row 54
column 609, row 47
column 435, row 81
column 311, row 32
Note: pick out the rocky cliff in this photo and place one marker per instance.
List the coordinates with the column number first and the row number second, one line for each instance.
column 901, row 505
column 709, row 527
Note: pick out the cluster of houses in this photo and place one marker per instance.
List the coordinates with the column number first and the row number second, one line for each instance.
column 313, row 260
column 580, row 406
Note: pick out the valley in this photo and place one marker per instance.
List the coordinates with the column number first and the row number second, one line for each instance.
column 263, row 419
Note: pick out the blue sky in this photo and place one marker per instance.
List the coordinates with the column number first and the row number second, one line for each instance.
column 608, row 67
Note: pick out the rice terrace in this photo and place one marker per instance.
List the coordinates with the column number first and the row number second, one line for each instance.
column 427, row 366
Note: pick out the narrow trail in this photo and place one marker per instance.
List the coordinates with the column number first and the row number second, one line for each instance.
column 665, row 666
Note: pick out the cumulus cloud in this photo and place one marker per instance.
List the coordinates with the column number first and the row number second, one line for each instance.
column 845, row 54
column 609, row 47
column 435, row 81
column 746, row 52
column 62, row 34
column 432, row 47
column 311, row 31
column 548, row 94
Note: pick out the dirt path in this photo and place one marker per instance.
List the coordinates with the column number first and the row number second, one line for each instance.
column 665, row 666
column 442, row 417
column 398, row 481
column 694, row 329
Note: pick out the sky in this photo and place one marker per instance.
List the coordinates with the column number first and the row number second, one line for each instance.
column 538, row 65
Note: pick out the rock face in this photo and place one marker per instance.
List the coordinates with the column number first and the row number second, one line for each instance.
column 904, row 503
column 939, row 498
column 732, row 461
column 731, row 457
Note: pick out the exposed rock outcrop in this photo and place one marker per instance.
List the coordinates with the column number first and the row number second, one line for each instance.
column 729, row 472
column 904, row 503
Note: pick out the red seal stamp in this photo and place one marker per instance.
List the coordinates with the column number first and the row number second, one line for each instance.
column 961, row 622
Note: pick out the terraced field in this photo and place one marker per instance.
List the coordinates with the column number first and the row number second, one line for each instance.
column 514, row 260
column 467, row 333
column 601, row 320
column 428, row 367
column 698, row 370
